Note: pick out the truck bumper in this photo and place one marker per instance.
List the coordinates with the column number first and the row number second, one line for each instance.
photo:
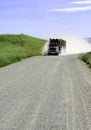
column 53, row 53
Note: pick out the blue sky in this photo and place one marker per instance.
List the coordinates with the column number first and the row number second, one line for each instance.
column 45, row 18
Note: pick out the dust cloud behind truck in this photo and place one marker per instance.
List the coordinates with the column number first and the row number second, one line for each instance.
column 55, row 46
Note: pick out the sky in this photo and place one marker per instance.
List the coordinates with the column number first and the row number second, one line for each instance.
column 45, row 18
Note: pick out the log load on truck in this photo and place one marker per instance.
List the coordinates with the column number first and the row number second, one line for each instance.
column 55, row 46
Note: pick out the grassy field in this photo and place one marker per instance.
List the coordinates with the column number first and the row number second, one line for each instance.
column 14, row 48
column 86, row 57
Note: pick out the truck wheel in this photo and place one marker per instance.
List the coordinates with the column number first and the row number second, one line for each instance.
column 57, row 54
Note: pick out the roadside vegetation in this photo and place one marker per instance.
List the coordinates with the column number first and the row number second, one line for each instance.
column 86, row 57
column 14, row 48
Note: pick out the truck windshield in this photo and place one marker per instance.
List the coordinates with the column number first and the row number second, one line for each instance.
column 53, row 45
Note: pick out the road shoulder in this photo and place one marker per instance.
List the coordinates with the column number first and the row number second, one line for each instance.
column 86, row 70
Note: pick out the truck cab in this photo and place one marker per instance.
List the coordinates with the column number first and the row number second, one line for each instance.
column 53, row 49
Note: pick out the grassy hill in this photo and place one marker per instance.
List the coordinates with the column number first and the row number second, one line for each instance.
column 14, row 48
column 86, row 57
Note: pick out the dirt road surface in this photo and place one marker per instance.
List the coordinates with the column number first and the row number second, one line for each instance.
column 45, row 93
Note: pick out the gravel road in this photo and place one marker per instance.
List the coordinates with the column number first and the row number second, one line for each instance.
column 45, row 93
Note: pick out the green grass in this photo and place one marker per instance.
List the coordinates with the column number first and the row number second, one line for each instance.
column 14, row 48
column 86, row 57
